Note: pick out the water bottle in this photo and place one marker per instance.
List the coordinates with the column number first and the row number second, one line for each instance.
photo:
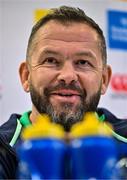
column 121, row 165
column 43, row 150
column 93, row 150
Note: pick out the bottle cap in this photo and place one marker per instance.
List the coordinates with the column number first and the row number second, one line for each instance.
column 43, row 128
column 89, row 126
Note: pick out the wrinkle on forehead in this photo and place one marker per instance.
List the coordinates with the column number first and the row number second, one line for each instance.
column 68, row 54
column 73, row 47
column 57, row 43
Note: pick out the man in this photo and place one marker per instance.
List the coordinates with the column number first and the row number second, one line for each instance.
column 65, row 72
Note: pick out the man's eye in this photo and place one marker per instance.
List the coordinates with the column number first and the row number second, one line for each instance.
column 50, row 61
column 82, row 62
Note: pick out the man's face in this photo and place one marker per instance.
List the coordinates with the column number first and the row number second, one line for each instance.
column 66, row 72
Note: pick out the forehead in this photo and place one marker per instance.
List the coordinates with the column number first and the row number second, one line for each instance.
column 65, row 38
column 70, row 32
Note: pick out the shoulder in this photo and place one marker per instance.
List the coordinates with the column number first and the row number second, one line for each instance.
column 119, row 125
column 7, row 129
column 8, row 156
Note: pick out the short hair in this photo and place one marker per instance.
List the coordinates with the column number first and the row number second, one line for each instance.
column 66, row 15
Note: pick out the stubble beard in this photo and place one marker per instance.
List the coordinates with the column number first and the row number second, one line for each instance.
column 64, row 113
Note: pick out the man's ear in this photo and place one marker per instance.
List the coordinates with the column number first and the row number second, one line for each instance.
column 24, row 75
column 106, row 76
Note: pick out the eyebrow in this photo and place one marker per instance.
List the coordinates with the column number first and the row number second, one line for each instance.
column 82, row 53
column 86, row 53
column 47, row 51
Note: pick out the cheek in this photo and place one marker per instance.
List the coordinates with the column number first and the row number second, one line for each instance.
column 90, row 82
column 42, row 78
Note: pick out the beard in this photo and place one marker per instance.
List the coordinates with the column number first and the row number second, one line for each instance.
column 64, row 113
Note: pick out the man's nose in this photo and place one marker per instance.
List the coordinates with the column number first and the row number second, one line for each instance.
column 67, row 74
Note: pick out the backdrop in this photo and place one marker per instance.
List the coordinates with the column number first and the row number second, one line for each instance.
column 16, row 21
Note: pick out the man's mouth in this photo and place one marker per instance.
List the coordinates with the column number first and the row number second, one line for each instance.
column 61, row 94
column 66, row 92
column 66, row 95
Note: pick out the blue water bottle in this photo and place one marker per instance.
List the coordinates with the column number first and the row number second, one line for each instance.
column 93, row 150
column 43, row 150
column 121, row 165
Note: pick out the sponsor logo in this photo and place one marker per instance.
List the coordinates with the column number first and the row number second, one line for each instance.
column 117, row 29
column 118, row 86
column 119, row 83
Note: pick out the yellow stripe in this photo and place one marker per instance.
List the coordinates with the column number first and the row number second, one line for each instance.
column 117, row 136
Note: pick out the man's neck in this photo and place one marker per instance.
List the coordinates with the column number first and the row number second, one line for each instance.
column 34, row 115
